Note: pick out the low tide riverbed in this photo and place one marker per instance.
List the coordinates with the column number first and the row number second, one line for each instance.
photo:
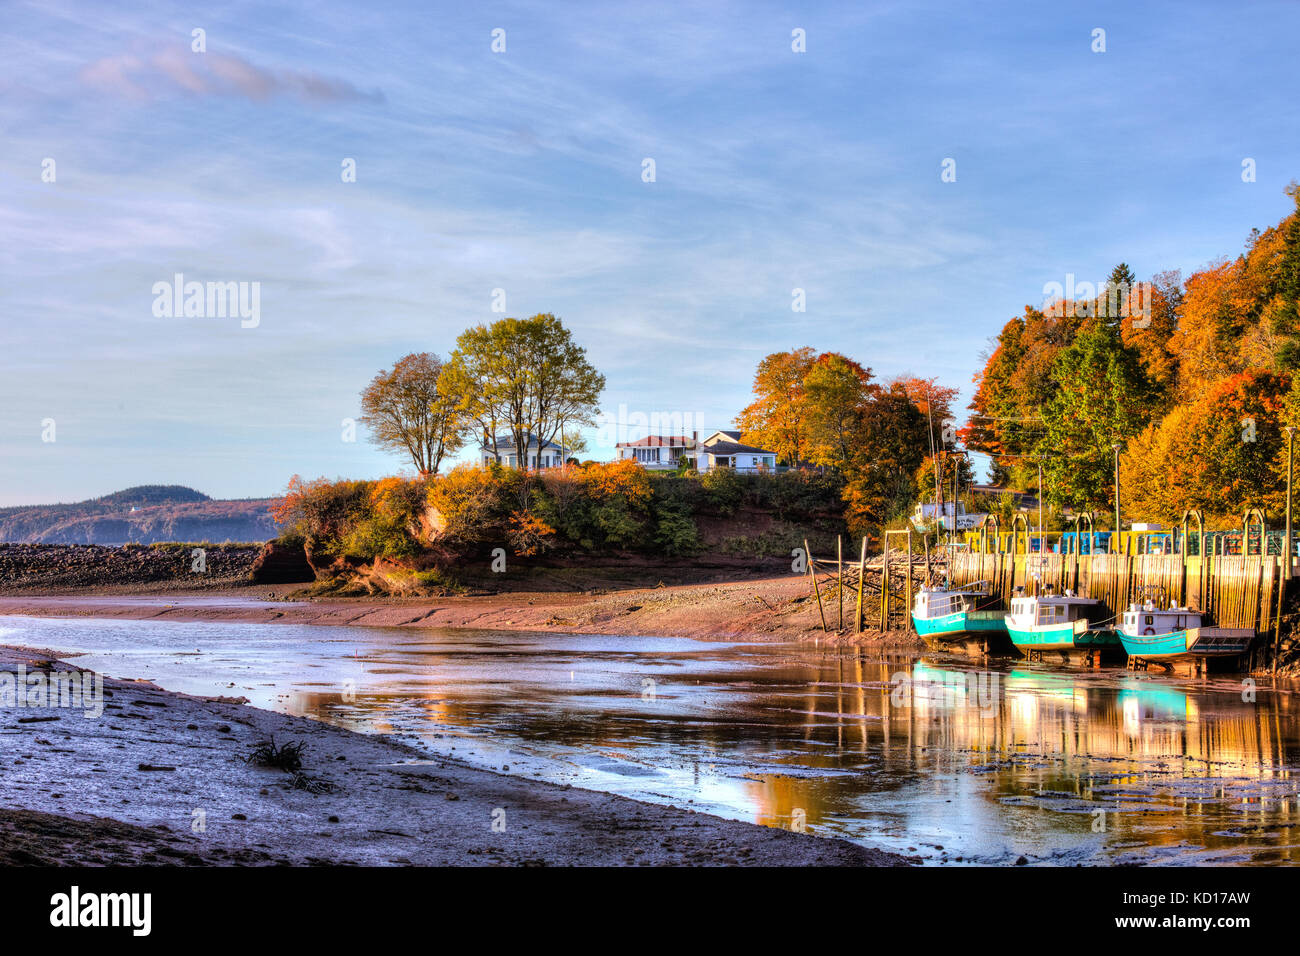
column 950, row 760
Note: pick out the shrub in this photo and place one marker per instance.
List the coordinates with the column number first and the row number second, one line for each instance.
column 322, row 512
column 676, row 534
column 528, row 534
column 389, row 526
column 725, row 490
column 471, row 504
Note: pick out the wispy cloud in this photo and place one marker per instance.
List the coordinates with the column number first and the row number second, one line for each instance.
column 174, row 70
column 522, row 171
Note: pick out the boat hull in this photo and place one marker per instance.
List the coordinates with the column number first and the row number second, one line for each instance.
column 1193, row 642
column 960, row 626
column 1066, row 636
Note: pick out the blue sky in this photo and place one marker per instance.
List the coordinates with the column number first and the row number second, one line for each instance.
column 522, row 171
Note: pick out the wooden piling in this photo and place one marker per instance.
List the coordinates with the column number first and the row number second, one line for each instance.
column 839, row 590
column 812, row 568
column 909, row 577
column 884, row 584
column 862, row 577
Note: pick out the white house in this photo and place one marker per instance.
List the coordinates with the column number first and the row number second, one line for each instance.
column 724, row 449
column 550, row 455
column 659, row 452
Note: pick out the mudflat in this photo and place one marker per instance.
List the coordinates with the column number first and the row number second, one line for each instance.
column 162, row 778
column 779, row 608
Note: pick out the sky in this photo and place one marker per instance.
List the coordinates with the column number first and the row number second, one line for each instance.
column 130, row 157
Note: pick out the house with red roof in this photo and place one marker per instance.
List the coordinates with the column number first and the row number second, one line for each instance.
column 659, row 452
column 722, row 449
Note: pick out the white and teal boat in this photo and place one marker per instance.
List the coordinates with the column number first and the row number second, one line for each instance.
column 1151, row 633
column 1057, row 623
column 944, row 615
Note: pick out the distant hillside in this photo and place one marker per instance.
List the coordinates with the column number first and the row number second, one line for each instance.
column 143, row 495
column 143, row 514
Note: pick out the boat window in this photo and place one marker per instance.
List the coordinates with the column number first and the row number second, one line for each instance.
column 1150, row 620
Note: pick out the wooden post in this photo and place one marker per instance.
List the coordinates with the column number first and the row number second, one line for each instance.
column 812, row 567
column 839, row 563
column 862, row 577
column 909, row 575
column 884, row 584
column 1285, row 575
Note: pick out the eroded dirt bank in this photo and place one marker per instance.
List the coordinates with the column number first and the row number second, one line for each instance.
column 128, row 787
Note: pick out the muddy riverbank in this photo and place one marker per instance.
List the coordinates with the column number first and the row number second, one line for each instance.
column 161, row 778
column 762, row 609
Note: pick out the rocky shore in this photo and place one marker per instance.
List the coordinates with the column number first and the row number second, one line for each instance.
column 131, row 567
column 163, row 778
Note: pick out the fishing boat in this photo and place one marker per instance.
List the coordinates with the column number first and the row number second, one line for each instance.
column 949, row 614
column 1058, row 623
column 1163, row 635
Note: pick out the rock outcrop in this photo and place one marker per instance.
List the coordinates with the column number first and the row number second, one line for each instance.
column 280, row 563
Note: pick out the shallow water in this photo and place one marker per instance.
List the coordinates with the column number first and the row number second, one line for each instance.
column 932, row 756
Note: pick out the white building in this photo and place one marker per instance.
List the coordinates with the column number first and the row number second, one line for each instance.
column 550, row 455
column 724, row 449
column 659, row 452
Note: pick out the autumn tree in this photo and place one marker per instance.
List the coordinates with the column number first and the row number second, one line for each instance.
column 1148, row 327
column 826, row 409
column 525, row 375
column 1235, row 437
column 404, row 410
column 777, row 418
column 1013, row 389
column 837, row 393
column 880, row 478
column 934, row 402
column 1159, row 476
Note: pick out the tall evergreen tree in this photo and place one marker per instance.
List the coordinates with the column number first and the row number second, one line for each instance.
column 1102, row 397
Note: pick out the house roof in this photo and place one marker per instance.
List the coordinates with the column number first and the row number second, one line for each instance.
column 508, row 441
column 735, row 448
column 658, row 441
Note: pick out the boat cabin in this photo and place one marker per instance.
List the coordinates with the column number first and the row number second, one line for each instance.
column 1047, row 609
column 942, row 603
column 1147, row 619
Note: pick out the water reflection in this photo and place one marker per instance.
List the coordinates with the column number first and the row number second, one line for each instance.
column 931, row 755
